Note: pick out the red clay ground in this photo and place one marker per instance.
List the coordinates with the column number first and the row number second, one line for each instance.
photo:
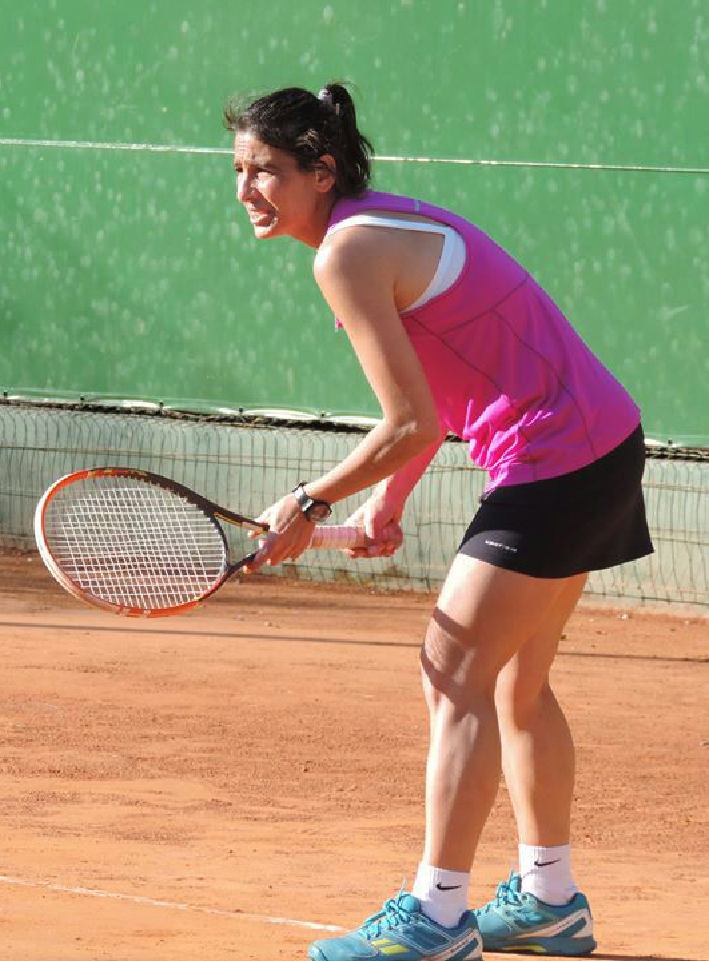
column 170, row 788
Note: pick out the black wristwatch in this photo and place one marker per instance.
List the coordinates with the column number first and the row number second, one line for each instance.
column 314, row 510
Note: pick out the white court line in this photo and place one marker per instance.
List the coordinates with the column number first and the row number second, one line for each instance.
column 456, row 161
column 170, row 905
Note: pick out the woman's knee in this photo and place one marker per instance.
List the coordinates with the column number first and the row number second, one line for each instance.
column 517, row 697
column 455, row 669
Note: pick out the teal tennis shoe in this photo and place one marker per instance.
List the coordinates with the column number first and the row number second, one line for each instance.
column 402, row 932
column 517, row 921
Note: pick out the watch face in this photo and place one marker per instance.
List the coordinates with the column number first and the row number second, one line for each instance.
column 318, row 512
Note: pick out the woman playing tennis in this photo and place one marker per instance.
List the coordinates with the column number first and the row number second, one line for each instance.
column 455, row 336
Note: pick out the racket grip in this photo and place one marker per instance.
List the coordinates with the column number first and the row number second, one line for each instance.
column 337, row 538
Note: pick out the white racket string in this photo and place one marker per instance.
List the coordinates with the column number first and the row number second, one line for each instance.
column 133, row 544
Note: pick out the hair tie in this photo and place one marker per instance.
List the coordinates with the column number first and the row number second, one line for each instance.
column 325, row 97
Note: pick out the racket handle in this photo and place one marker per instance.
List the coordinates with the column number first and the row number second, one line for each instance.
column 337, row 538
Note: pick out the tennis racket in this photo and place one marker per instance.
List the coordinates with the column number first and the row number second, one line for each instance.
column 142, row 545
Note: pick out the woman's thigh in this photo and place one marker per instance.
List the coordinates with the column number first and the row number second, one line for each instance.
column 527, row 672
column 485, row 615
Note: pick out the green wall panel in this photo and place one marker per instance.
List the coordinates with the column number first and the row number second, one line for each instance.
column 133, row 273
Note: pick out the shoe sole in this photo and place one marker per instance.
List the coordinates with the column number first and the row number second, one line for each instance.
column 561, row 947
column 315, row 954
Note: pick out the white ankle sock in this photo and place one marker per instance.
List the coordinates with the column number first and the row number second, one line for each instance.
column 546, row 873
column 443, row 894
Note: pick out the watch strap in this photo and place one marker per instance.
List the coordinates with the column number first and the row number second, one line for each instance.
column 306, row 502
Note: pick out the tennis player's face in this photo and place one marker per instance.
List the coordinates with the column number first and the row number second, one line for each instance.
column 281, row 199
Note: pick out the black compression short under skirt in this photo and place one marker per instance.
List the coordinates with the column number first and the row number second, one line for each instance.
column 587, row 520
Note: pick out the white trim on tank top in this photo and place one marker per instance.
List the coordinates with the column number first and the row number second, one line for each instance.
column 450, row 264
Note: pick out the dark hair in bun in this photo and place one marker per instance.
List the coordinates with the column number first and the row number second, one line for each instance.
column 308, row 126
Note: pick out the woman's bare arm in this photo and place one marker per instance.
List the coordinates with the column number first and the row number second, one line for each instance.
column 356, row 273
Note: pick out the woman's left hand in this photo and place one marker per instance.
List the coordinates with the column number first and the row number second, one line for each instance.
column 380, row 519
column 289, row 535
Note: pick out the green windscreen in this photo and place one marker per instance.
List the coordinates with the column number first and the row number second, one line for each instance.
column 572, row 132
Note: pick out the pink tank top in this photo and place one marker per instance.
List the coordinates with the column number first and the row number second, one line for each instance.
column 508, row 372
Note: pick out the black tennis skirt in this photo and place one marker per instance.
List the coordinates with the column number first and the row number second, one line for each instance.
column 586, row 520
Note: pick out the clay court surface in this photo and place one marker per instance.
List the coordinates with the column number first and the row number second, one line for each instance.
column 206, row 787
